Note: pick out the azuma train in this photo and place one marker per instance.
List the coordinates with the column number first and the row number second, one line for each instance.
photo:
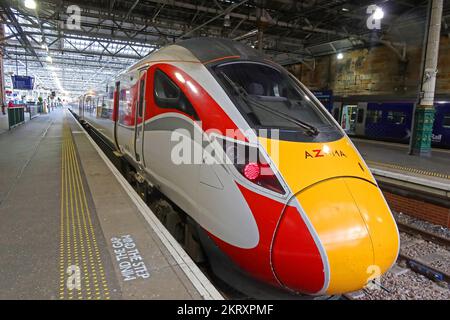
column 305, row 216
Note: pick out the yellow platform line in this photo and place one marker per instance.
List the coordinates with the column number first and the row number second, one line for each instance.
column 92, row 262
column 413, row 170
column 68, row 222
column 74, row 212
column 76, row 196
column 83, row 231
column 66, row 217
column 61, row 242
column 104, row 284
column 78, row 242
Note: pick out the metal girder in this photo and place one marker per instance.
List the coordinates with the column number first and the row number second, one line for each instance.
column 9, row 15
column 114, row 34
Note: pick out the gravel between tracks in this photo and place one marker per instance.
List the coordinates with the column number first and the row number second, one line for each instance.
column 407, row 286
column 421, row 224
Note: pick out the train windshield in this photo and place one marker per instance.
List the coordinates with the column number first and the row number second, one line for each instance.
column 270, row 99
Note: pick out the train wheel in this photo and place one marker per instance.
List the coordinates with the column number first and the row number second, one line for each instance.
column 192, row 245
column 128, row 172
column 170, row 219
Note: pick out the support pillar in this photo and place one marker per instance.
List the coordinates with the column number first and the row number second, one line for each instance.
column 424, row 113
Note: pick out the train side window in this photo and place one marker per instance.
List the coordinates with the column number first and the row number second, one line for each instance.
column 374, row 116
column 396, row 117
column 141, row 97
column 446, row 121
column 168, row 95
column 167, row 92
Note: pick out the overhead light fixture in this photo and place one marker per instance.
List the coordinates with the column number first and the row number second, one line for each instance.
column 227, row 21
column 378, row 14
column 345, row 9
column 340, row 56
column 30, row 4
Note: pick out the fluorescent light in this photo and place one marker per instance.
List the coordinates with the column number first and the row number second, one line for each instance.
column 378, row 14
column 345, row 9
column 340, row 56
column 30, row 4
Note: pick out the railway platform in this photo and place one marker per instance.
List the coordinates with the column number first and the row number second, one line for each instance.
column 394, row 157
column 72, row 228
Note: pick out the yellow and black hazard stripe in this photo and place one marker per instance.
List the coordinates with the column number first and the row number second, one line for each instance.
column 82, row 275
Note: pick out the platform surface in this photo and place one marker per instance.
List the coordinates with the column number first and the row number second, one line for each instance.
column 394, row 157
column 70, row 230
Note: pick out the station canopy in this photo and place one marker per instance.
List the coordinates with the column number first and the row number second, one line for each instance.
column 74, row 46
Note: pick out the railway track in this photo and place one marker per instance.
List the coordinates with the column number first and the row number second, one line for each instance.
column 429, row 236
column 432, row 247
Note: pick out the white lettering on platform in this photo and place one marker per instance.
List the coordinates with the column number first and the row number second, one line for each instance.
column 74, row 277
column 130, row 261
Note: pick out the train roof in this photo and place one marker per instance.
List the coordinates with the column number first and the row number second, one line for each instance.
column 211, row 49
column 204, row 50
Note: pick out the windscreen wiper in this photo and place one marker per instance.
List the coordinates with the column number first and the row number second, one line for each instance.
column 242, row 93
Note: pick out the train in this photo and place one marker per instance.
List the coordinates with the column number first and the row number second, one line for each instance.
column 386, row 118
column 273, row 189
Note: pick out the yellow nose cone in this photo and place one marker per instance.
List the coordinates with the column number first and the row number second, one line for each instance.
column 356, row 228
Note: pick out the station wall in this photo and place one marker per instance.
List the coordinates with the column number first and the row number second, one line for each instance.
column 374, row 71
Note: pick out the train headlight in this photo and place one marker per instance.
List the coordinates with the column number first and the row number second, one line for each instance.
column 251, row 163
column 252, row 171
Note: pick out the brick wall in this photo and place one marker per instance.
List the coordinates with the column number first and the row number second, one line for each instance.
column 419, row 209
column 374, row 71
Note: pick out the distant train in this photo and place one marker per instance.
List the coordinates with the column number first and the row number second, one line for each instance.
column 386, row 118
column 305, row 215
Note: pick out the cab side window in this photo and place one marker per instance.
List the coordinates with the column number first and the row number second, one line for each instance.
column 168, row 95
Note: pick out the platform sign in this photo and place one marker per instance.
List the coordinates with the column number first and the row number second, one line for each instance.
column 325, row 97
column 22, row 82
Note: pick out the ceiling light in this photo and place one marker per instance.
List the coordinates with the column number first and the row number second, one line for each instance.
column 226, row 21
column 30, row 4
column 378, row 14
column 340, row 56
column 345, row 9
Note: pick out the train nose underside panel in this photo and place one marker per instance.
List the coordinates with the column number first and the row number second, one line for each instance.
column 355, row 228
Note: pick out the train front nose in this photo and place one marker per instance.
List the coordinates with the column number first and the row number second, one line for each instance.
column 357, row 234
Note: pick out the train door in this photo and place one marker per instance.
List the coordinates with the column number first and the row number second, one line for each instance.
column 115, row 112
column 360, row 123
column 348, row 118
column 336, row 110
column 140, row 119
